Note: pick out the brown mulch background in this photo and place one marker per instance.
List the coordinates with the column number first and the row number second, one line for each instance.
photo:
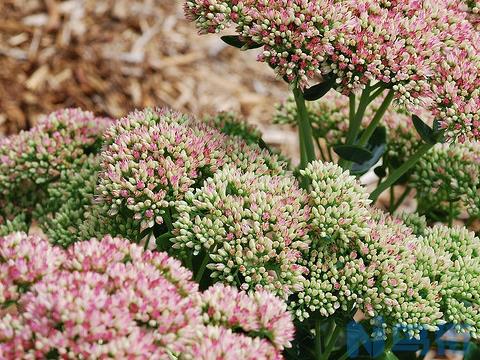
column 112, row 56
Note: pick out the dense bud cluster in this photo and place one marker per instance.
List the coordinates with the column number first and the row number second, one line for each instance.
column 449, row 175
column 33, row 159
column 451, row 258
column 260, row 313
column 69, row 201
column 23, row 263
column 339, row 206
column 396, row 290
column 253, row 229
column 363, row 260
column 110, row 299
column 154, row 157
column 339, row 219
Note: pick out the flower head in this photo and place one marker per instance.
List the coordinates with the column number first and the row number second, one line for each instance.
column 105, row 298
column 214, row 342
column 450, row 257
column 252, row 228
column 376, row 274
column 449, row 174
column 340, row 206
column 111, row 299
column 256, row 313
column 155, row 157
column 25, row 260
column 397, row 291
column 33, row 159
column 425, row 51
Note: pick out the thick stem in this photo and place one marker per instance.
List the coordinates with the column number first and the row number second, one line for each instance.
column 319, row 145
column 305, row 130
column 201, row 270
column 167, row 217
column 356, row 120
column 450, row 214
column 376, row 119
column 352, row 105
column 374, row 95
column 392, row 199
column 318, row 339
column 401, row 200
column 331, row 341
column 397, row 174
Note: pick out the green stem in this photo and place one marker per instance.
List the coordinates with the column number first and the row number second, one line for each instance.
column 392, row 198
column 159, row 240
column 322, row 154
column 376, row 93
column 352, row 105
column 401, row 200
column 330, row 153
column 397, row 174
column 356, row 120
column 376, row 119
column 305, row 130
column 450, row 213
column 331, row 341
column 168, row 219
column 318, row 338
column 201, row 270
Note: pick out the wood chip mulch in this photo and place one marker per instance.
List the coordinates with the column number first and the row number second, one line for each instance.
column 113, row 56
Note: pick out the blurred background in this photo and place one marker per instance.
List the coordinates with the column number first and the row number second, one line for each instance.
column 112, row 56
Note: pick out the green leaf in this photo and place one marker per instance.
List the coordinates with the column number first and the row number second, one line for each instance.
column 380, row 171
column 353, row 153
column 377, row 145
column 237, row 42
column 438, row 132
column 318, row 91
column 426, row 132
column 233, row 40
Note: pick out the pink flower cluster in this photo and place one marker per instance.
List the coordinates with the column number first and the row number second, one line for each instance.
column 261, row 312
column 154, row 157
column 24, row 263
column 111, row 299
column 427, row 51
column 60, row 141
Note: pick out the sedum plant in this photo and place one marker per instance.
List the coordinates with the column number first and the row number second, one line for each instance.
column 153, row 158
column 110, row 299
column 251, row 229
column 33, row 160
column 356, row 49
column 450, row 258
column 161, row 236
column 297, row 254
